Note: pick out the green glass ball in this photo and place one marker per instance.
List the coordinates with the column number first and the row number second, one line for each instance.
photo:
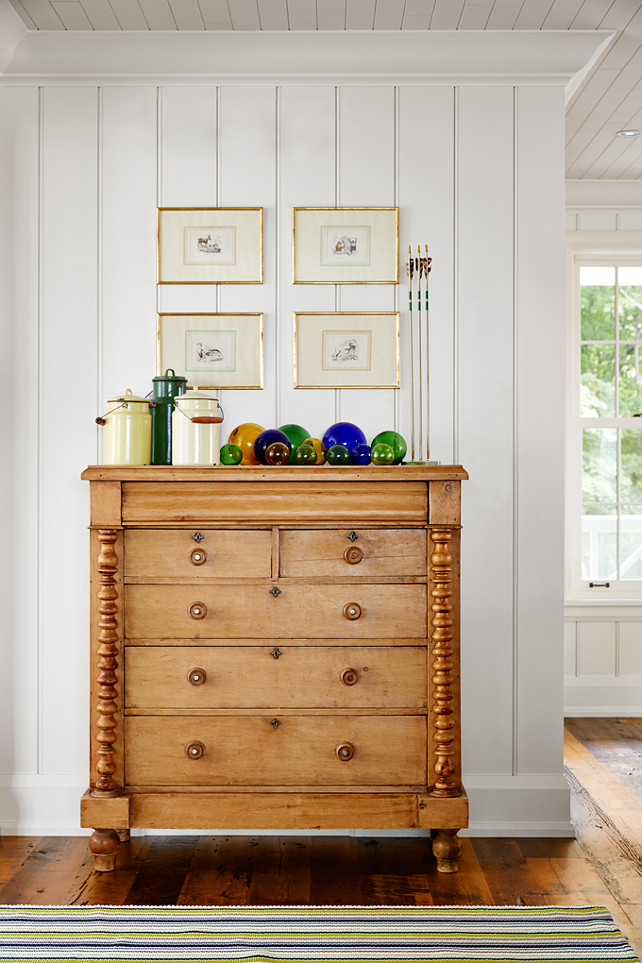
column 396, row 441
column 338, row 455
column 382, row 454
column 305, row 455
column 296, row 435
column 231, row 455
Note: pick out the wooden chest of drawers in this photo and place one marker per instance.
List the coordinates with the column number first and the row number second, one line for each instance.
column 275, row 648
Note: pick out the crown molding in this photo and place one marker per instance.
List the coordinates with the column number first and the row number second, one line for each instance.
column 612, row 194
column 293, row 57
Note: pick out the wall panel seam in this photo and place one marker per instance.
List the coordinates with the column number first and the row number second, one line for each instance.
column 515, row 393
column 99, row 256
column 456, row 262
column 40, row 439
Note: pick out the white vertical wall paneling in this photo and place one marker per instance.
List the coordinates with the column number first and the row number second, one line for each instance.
column 68, row 361
column 367, row 178
column 128, row 231
column 629, row 649
column 188, row 174
column 485, row 297
column 570, row 649
column 247, row 178
column 426, row 205
column 596, row 649
column 539, row 428
column 306, row 147
column 19, row 352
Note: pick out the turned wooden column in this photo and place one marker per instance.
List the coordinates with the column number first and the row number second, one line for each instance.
column 106, row 678
column 443, row 708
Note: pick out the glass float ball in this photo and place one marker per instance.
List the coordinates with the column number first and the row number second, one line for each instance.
column 319, row 447
column 338, row 455
column 231, row 455
column 396, row 441
column 267, row 438
column 305, row 455
column 244, row 436
column 360, row 455
column 382, row 454
column 277, row 453
column 297, row 436
column 344, row 433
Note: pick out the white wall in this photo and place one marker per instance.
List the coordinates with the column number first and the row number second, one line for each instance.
column 477, row 172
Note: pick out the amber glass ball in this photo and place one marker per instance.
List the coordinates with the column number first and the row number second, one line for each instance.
column 244, row 436
column 277, row 454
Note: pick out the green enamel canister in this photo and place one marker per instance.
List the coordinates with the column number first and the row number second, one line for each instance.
column 165, row 388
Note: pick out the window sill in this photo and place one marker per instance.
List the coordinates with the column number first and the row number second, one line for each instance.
column 612, row 608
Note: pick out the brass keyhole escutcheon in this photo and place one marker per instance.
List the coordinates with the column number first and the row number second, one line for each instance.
column 197, row 676
column 198, row 556
column 197, row 610
column 198, row 537
column 275, row 723
column 275, row 653
column 353, row 536
column 275, row 591
column 345, row 751
column 353, row 555
column 194, row 750
column 352, row 611
column 349, row 676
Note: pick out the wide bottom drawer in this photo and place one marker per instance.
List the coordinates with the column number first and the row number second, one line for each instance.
column 275, row 750
column 290, row 676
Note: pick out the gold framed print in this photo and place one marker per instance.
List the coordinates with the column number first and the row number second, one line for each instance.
column 210, row 245
column 212, row 350
column 345, row 245
column 346, row 349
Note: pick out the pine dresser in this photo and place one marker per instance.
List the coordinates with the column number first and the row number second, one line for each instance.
column 275, row 648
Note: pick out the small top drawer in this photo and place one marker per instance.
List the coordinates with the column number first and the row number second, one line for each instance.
column 379, row 553
column 197, row 553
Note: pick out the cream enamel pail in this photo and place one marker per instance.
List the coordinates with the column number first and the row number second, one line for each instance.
column 196, row 429
column 128, row 430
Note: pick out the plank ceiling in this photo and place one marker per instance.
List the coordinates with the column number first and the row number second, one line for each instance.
column 609, row 99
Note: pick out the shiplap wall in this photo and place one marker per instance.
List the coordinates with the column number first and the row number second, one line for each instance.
column 603, row 643
column 477, row 172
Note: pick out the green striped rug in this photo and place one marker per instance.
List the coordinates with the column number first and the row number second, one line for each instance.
column 310, row 933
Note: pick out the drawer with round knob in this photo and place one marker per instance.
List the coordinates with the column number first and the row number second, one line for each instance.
column 276, row 749
column 353, row 553
column 197, row 553
column 275, row 611
column 291, row 676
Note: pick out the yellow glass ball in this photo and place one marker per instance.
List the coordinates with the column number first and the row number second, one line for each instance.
column 244, row 436
column 319, row 447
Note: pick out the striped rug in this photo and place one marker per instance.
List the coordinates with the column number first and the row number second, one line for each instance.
column 310, row 933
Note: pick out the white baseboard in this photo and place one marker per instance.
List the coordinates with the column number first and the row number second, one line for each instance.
column 599, row 697
column 500, row 805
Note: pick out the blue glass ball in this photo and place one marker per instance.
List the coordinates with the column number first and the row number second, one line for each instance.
column 344, row 433
column 267, row 438
column 360, row 455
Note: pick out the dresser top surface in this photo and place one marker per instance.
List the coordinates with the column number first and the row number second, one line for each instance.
column 285, row 473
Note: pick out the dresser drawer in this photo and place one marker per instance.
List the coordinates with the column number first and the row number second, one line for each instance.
column 207, row 611
column 376, row 553
column 212, row 554
column 289, row 676
column 276, row 750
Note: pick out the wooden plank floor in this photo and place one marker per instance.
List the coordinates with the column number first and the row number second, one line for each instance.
column 603, row 866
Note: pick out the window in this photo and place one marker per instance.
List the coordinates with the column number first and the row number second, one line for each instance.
column 605, row 426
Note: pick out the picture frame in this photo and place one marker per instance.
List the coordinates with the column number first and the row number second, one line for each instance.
column 345, row 245
column 210, row 245
column 212, row 350
column 346, row 349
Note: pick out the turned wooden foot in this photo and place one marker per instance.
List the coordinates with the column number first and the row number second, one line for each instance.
column 446, row 848
column 104, row 844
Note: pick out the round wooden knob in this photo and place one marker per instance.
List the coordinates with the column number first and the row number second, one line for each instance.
column 351, row 611
column 197, row 676
column 198, row 556
column 194, row 750
column 349, row 677
column 197, row 610
column 345, row 751
column 353, row 555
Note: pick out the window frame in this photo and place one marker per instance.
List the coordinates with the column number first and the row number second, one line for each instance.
column 589, row 248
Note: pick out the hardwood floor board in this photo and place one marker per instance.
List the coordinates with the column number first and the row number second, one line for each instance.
column 112, row 889
column 165, row 862
column 14, row 850
column 616, row 746
column 282, row 872
column 550, row 848
column 335, row 878
column 47, row 875
column 220, row 872
column 507, row 872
